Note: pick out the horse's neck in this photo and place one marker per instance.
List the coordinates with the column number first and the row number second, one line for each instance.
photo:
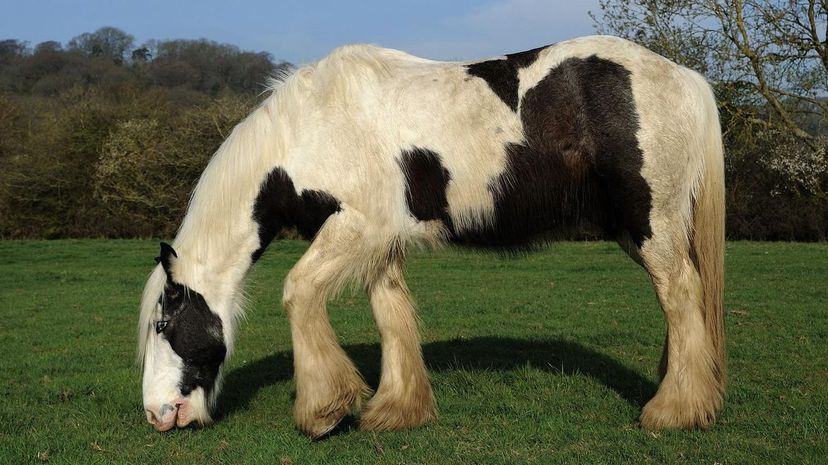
column 218, row 235
column 215, row 262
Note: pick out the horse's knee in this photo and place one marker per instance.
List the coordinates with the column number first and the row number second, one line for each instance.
column 298, row 294
column 290, row 292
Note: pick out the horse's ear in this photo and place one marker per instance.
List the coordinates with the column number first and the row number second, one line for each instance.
column 166, row 258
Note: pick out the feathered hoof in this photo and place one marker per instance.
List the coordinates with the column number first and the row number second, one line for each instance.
column 316, row 421
column 319, row 426
column 384, row 414
column 662, row 413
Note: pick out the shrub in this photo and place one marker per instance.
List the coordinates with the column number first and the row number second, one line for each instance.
column 146, row 169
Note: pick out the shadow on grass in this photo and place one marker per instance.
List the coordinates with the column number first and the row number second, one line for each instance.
column 480, row 353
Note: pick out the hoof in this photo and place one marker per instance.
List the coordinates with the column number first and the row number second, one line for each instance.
column 388, row 415
column 319, row 427
column 659, row 414
column 317, row 421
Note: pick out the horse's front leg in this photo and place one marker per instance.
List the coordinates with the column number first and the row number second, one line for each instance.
column 328, row 385
column 404, row 398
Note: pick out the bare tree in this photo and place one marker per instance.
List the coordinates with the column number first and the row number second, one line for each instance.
column 769, row 58
column 107, row 41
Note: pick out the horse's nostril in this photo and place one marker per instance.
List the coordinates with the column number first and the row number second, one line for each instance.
column 164, row 409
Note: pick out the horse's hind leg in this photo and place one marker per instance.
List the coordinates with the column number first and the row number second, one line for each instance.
column 691, row 390
column 328, row 385
column 403, row 399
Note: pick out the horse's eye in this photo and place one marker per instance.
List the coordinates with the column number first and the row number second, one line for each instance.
column 160, row 325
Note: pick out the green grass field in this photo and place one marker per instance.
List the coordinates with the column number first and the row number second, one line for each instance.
column 539, row 359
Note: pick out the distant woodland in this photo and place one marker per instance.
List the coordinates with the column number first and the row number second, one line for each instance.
column 104, row 137
column 101, row 137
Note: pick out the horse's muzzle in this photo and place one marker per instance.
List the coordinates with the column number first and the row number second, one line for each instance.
column 166, row 416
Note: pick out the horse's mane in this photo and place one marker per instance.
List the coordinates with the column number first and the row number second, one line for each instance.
column 149, row 299
column 210, row 219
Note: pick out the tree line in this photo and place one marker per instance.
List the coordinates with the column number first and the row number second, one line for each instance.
column 103, row 137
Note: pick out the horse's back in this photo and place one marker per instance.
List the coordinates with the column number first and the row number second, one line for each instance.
column 499, row 152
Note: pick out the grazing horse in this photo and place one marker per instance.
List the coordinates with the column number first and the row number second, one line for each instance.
column 370, row 150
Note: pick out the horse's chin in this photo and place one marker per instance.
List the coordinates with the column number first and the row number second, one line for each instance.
column 195, row 411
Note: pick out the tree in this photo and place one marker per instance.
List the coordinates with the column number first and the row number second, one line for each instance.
column 12, row 50
column 209, row 66
column 49, row 46
column 768, row 57
column 107, row 42
column 141, row 55
column 12, row 54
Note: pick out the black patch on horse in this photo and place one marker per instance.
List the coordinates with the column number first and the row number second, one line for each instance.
column 425, row 185
column 278, row 206
column 580, row 162
column 502, row 75
column 195, row 333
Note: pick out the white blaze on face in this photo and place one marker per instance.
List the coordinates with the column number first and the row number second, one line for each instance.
column 164, row 404
column 163, row 370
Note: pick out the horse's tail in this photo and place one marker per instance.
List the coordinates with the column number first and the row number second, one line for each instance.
column 708, row 234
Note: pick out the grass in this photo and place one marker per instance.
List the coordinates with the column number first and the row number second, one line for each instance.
column 542, row 359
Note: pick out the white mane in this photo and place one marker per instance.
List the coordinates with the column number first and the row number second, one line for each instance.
column 217, row 232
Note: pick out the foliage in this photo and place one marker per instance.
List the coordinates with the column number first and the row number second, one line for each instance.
column 100, row 138
column 146, row 169
column 542, row 359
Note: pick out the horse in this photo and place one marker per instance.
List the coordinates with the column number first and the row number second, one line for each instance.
column 370, row 150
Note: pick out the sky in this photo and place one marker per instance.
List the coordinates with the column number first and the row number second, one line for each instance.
column 303, row 31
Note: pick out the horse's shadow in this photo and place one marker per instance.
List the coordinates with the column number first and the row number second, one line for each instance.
column 479, row 353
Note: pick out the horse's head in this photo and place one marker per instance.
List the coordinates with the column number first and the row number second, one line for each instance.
column 182, row 348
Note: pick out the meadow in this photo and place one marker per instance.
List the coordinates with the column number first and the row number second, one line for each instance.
column 545, row 358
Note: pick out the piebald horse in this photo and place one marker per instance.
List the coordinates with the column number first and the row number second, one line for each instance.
column 370, row 150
